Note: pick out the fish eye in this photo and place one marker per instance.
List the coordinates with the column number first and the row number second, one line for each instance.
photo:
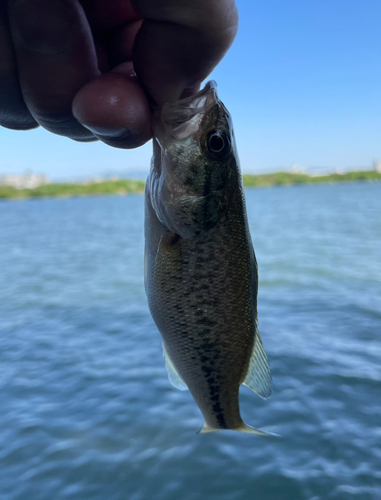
column 217, row 144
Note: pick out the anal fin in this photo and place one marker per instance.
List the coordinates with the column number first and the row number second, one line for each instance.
column 258, row 377
column 173, row 375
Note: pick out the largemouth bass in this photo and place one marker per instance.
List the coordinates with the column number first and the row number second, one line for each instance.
column 201, row 275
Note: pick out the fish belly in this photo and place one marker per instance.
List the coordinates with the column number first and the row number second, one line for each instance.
column 202, row 296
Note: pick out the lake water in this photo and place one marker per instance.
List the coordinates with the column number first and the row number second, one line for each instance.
column 87, row 411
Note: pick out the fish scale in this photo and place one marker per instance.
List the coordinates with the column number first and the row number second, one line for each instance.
column 200, row 268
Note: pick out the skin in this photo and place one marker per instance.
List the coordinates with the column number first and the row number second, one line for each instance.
column 70, row 66
column 201, row 273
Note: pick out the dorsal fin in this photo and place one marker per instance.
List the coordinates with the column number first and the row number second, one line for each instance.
column 258, row 377
column 173, row 375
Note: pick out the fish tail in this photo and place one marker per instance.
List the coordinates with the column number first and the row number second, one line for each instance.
column 206, row 428
column 242, row 428
column 252, row 430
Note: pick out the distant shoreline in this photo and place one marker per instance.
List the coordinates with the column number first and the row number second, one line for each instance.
column 289, row 178
column 126, row 187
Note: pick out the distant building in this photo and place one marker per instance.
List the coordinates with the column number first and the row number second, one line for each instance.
column 28, row 180
column 94, row 180
column 377, row 165
column 297, row 169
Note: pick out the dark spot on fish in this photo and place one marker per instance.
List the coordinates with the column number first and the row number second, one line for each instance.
column 206, row 321
column 211, row 380
column 217, row 408
column 205, row 332
column 206, row 370
column 203, row 260
column 221, row 420
column 214, row 390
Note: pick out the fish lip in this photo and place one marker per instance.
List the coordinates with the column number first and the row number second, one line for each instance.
column 210, row 86
column 183, row 110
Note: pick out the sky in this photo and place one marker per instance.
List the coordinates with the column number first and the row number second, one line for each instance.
column 302, row 82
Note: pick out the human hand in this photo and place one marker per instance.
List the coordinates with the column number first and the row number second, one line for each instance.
column 68, row 65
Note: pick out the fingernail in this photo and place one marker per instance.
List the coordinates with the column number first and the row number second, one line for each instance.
column 43, row 25
column 119, row 137
column 112, row 132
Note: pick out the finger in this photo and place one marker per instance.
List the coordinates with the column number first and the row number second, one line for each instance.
column 116, row 47
column 106, row 15
column 115, row 109
column 102, row 54
column 56, row 57
column 114, row 24
column 180, row 42
column 113, row 106
column 122, row 42
column 13, row 112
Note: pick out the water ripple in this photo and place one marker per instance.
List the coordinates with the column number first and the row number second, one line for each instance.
column 87, row 410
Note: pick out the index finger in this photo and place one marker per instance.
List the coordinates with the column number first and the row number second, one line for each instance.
column 180, row 42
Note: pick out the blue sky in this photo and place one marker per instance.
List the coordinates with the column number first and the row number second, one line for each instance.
column 302, row 82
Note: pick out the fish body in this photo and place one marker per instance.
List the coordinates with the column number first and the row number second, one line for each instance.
column 200, row 268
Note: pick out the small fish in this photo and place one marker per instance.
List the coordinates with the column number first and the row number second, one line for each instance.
column 201, row 275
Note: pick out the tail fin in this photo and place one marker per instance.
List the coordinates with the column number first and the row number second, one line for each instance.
column 206, row 428
column 253, row 430
column 243, row 428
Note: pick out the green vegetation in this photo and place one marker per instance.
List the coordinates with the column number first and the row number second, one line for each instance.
column 287, row 178
column 123, row 187
column 120, row 187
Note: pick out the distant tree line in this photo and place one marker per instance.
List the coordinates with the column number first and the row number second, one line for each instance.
column 125, row 187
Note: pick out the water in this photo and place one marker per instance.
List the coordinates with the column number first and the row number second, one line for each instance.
column 87, row 411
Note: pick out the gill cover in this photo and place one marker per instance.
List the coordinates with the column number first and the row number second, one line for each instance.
column 190, row 168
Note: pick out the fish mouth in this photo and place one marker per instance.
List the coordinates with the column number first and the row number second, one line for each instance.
column 182, row 118
column 185, row 109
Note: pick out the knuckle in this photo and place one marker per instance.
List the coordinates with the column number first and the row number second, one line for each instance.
column 18, row 125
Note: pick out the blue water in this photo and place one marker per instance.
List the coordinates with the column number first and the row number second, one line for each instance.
column 87, row 411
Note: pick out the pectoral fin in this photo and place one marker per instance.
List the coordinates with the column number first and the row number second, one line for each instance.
column 258, row 377
column 173, row 375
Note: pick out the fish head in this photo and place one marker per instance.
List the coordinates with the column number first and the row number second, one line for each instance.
column 195, row 162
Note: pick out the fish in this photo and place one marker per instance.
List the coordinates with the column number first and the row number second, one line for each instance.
column 200, row 269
